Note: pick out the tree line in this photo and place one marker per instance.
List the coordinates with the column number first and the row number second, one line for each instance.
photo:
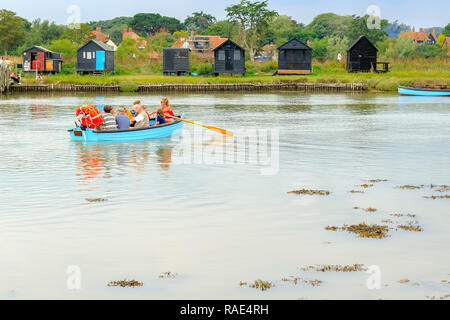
column 251, row 24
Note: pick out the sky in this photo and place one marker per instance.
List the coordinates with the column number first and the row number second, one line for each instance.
column 412, row 12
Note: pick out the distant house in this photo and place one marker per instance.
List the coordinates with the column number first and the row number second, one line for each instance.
column 97, row 34
column 130, row 34
column 229, row 58
column 200, row 43
column 420, row 37
column 41, row 59
column 269, row 52
column 294, row 57
column 447, row 44
column 95, row 56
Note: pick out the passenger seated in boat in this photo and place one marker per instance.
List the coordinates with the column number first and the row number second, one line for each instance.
column 109, row 122
column 141, row 119
column 122, row 119
column 160, row 118
column 166, row 108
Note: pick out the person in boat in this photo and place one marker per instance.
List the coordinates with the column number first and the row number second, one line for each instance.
column 160, row 117
column 109, row 121
column 122, row 119
column 141, row 119
column 166, row 108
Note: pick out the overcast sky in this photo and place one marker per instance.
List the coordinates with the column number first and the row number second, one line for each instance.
column 416, row 13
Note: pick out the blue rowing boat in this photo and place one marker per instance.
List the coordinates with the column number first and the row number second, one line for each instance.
column 160, row 131
column 410, row 91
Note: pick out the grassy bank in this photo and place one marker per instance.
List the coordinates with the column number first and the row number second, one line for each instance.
column 421, row 73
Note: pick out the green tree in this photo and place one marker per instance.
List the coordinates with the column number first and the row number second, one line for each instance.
column 319, row 48
column 358, row 27
column 152, row 23
column 11, row 30
column 446, row 30
column 254, row 19
column 199, row 21
column 330, row 24
column 336, row 45
column 223, row 28
column 160, row 40
column 67, row 48
column 79, row 35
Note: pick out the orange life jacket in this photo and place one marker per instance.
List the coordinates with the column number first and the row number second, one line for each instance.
column 89, row 116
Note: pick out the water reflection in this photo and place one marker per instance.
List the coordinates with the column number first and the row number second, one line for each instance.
column 109, row 160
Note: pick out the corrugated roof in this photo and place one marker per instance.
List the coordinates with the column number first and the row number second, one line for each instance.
column 40, row 48
column 225, row 41
column 294, row 44
column 100, row 44
column 358, row 40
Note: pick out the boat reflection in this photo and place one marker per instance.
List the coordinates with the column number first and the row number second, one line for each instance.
column 111, row 160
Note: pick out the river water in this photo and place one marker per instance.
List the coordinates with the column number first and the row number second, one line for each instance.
column 215, row 211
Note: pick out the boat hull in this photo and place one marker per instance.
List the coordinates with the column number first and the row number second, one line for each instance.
column 409, row 91
column 160, row 131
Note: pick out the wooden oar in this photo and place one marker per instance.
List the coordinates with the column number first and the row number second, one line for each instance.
column 222, row 131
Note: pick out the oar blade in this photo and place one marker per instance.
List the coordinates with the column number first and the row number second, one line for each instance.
column 222, row 131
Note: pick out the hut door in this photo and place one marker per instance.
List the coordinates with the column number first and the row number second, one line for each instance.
column 229, row 59
column 100, row 60
column 40, row 59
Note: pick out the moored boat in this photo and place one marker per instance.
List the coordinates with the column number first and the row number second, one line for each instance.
column 160, row 131
column 410, row 91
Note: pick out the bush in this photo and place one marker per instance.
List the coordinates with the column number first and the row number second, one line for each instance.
column 68, row 68
column 128, row 86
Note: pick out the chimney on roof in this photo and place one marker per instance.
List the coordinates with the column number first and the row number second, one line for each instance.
column 421, row 29
column 308, row 43
column 192, row 33
column 434, row 31
column 414, row 29
column 99, row 29
column 130, row 30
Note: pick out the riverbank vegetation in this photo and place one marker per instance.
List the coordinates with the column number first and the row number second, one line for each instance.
column 250, row 24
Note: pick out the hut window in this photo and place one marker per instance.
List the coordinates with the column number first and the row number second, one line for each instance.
column 88, row 55
column 221, row 55
column 84, row 54
column 93, row 55
column 237, row 55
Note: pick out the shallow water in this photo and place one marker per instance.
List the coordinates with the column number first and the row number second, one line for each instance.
column 216, row 223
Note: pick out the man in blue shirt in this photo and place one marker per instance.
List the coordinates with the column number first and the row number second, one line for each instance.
column 122, row 120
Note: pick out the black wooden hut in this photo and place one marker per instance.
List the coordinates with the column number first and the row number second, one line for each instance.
column 176, row 61
column 294, row 57
column 41, row 59
column 361, row 56
column 95, row 56
column 229, row 57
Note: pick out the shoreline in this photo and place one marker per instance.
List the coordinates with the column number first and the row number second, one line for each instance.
column 194, row 87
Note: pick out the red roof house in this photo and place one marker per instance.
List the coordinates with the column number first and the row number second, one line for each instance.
column 420, row 37
column 133, row 35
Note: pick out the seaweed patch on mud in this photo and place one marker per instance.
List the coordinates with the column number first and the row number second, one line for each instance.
column 91, row 200
column 261, row 285
column 365, row 185
column 310, row 192
column 410, row 187
column 356, row 191
column 296, row 280
column 370, row 209
column 125, row 283
column 410, row 226
column 445, row 196
column 364, row 230
column 167, row 275
column 377, row 180
column 336, row 268
column 398, row 215
column 442, row 188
